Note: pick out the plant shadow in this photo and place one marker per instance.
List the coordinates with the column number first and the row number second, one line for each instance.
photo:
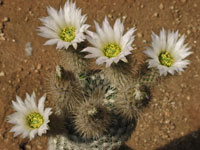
column 188, row 142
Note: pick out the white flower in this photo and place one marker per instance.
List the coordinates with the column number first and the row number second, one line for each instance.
column 29, row 119
column 64, row 27
column 110, row 45
column 168, row 52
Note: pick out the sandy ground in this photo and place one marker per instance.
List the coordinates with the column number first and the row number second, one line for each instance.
column 171, row 121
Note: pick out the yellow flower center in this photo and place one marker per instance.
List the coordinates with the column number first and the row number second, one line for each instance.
column 166, row 59
column 111, row 50
column 34, row 120
column 67, row 34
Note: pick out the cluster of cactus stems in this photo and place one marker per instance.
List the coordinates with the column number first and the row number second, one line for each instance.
column 91, row 101
column 96, row 104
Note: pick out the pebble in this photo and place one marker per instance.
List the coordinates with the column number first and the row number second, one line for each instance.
column 167, row 121
column 6, row 19
column 124, row 17
column 39, row 66
column 110, row 16
column 28, row 49
column 28, row 147
column 188, row 98
column 161, row 6
column 156, row 14
column 140, row 35
column 2, row 37
column 173, row 126
column 172, row 7
column 2, row 74
column 183, row 1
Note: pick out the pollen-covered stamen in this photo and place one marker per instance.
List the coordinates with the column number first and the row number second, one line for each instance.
column 67, row 34
column 166, row 59
column 34, row 120
column 111, row 50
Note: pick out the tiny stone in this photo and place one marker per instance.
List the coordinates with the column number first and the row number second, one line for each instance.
column 13, row 40
column 195, row 5
column 39, row 66
column 161, row 6
column 183, row 1
column 167, row 121
column 172, row 7
column 141, row 6
column 124, row 17
column 144, row 41
column 156, row 14
column 2, row 74
column 109, row 16
column 182, row 133
column 188, row 98
column 28, row 49
column 6, row 19
column 139, row 35
column 172, row 127
column 188, row 32
column 28, row 147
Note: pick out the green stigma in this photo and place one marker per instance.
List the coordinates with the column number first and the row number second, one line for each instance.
column 67, row 34
column 34, row 120
column 111, row 50
column 166, row 59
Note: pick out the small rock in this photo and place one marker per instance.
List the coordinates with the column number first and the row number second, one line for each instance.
column 124, row 17
column 139, row 35
column 144, row 41
column 173, row 126
column 172, row 7
column 2, row 37
column 39, row 66
column 188, row 98
column 183, row 1
column 110, row 16
column 6, row 19
column 167, row 121
column 161, row 6
column 2, row 74
column 28, row 147
column 188, row 32
column 156, row 14
column 28, row 49
column 141, row 6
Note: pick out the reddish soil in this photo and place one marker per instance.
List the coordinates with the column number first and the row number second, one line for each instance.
column 171, row 121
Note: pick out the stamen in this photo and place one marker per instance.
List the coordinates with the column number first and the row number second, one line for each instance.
column 166, row 59
column 111, row 50
column 34, row 120
column 67, row 34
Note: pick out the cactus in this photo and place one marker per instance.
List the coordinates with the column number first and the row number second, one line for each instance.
column 96, row 106
column 92, row 119
column 131, row 100
column 65, row 90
